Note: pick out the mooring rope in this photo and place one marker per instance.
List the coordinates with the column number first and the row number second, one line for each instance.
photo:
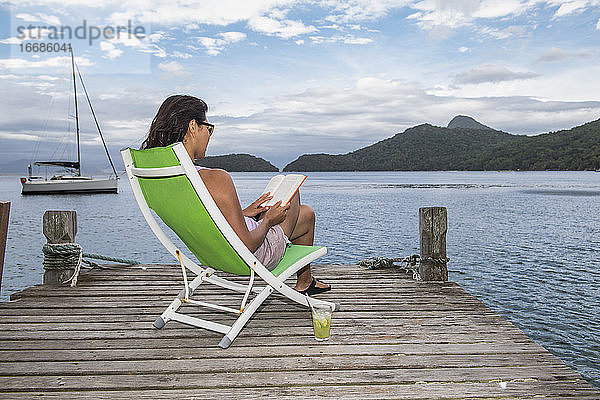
column 381, row 262
column 63, row 256
column 67, row 256
column 410, row 263
column 115, row 259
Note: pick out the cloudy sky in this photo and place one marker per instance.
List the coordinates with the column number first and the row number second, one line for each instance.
column 284, row 78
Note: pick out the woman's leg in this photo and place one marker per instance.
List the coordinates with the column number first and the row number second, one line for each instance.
column 299, row 227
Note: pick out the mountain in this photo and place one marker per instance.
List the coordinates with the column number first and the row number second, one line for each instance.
column 426, row 147
column 237, row 163
column 463, row 121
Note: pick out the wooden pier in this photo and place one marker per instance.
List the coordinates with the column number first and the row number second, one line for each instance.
column 393, row 338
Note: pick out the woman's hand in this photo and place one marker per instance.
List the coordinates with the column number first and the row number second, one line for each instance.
column 255, row 208
column 276, row 214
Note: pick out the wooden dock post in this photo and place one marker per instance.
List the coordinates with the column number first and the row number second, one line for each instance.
column 433, row 225
column 59, row 227
column 4, row 212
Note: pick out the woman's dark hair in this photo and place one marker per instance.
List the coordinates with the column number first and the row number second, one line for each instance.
column 172, row 119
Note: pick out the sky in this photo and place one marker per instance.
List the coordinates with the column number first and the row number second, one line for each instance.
column 285, row 78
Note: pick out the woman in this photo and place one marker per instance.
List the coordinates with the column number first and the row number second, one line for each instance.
column 183, row 119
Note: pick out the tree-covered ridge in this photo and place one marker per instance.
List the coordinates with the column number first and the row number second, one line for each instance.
column 426, row 147
column 574, row 149
column 237, row 163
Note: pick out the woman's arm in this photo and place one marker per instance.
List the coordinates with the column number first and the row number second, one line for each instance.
column 221, row 187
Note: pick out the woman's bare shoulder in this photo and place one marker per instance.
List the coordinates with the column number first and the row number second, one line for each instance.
column 216, row 179
column 215, row 173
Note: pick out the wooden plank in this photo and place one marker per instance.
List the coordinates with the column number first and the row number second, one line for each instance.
column 96, row 324
column 341, row 286
column 411, row 325
column 189, row 380
column 4, row 217
column 339, row 333
column 451, row 390
column 402, row 317
column 166, row 365
column 276, row 346
column 518, row 355
column 259, row 348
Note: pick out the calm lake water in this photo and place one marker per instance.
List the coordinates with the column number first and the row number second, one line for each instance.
column 525, row 243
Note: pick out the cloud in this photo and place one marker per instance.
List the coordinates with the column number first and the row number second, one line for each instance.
column 232, row 37
column 111, row 51
column 491, row 73
column 11, row 40
column 572, row 7
column 352, row 11
column 440, row 32
column 266, row 16
column 552, row 55
column 39, row 17
column 179, row 54
column 215, row 46
column 282, row 28
column 555, row 54
column 441, row 17
column 173, row 69
column 20, row 64
column 346, row 39
column 598, row 24
column 510, row 31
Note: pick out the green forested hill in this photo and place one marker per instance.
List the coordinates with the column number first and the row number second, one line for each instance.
column 426, row 147
column 237, row 163
column 574, row 149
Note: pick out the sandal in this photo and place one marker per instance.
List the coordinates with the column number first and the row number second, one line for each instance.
column 314, row 289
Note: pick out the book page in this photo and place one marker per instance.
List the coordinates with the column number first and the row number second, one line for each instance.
column 283, row 187
column 274, row 184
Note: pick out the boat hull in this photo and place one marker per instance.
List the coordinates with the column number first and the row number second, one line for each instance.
column 68, row 186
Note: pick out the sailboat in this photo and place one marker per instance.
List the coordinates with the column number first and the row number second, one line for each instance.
column 72, row 181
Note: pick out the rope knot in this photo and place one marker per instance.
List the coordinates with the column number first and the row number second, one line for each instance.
column 63, row 256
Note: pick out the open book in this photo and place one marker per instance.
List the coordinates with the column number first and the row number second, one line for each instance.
column 283, row 187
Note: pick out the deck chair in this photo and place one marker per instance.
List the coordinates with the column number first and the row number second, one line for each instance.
column 165, row 180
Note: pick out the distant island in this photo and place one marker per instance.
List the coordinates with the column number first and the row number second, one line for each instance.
column 467, row 145
column 237, row 163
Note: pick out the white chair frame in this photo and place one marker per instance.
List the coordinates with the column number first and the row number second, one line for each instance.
column 207, row 274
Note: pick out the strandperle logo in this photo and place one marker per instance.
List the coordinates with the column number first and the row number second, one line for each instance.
column 83, row 31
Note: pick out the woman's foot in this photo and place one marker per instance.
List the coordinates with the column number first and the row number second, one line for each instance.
column 314, row 287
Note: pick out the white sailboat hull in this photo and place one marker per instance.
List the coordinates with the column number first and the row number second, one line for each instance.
column 65, row 185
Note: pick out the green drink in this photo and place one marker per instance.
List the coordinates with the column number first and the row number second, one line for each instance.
column 321, row 322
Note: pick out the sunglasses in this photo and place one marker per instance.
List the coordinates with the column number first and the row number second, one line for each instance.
column 209, row 126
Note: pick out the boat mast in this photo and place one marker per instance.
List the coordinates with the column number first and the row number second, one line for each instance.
column 76, row 113
column 97, row 124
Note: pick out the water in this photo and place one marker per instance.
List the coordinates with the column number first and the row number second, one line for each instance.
column 525, row 243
